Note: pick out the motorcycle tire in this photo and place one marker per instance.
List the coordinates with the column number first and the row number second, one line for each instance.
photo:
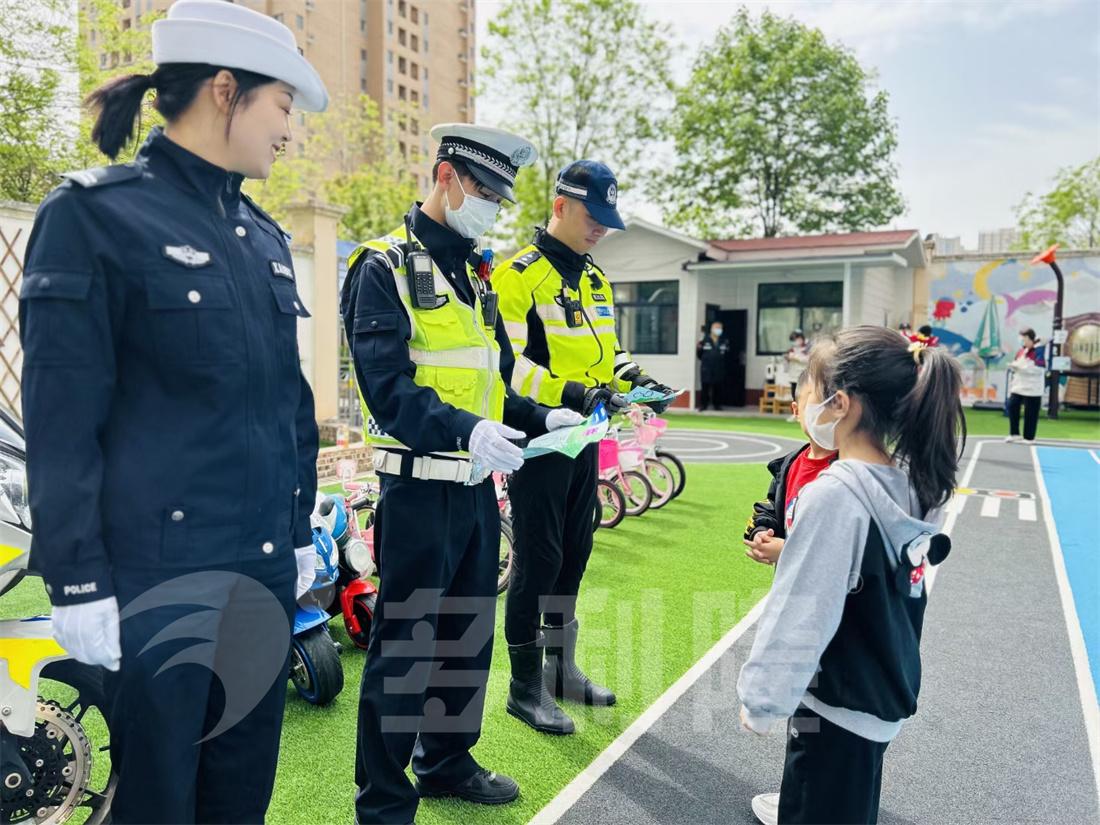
column 315, row 666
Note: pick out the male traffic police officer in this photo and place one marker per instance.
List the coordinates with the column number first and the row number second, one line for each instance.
column 559, row 316
column 170, row 432
column 429, row 355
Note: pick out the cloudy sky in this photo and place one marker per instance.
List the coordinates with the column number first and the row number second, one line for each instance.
column 991, row 98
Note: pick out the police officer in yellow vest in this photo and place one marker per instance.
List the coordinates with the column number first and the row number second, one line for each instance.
column 558, row 311
column 429, row 361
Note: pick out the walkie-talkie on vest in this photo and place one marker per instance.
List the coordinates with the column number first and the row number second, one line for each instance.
column 489, row 299
column 418, row 269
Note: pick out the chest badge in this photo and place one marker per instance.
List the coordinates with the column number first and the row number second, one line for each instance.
column 187, row 255
column 282, row 270
column 599, row 296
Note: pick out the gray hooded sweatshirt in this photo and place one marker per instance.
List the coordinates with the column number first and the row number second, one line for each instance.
column 821, row 564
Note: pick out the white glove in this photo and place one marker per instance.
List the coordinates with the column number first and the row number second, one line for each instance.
column 307, row 568
column 89, row 632
column 563, row 417
column 489, row 445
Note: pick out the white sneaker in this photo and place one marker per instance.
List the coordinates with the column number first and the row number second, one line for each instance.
column 766, row 808
column 1012, row 439
column 792, row 418
column 1029, row 441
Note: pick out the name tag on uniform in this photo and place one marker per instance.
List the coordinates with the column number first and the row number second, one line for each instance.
column 282, row 270
column 603, row 312
column 187, row 255
column 598, row 296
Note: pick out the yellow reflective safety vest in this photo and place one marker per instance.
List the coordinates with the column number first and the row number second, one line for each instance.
column 582, row 348
column 455, row 353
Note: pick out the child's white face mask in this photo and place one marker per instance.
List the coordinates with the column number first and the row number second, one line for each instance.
column 823, row 435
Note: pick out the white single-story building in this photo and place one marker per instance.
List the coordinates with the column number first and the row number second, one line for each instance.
column 668, row 287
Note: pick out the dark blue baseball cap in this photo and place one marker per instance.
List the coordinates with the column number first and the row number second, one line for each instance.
column 595, row 186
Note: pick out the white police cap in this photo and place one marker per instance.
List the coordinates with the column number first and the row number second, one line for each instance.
column 225, row 34
column 493, row 156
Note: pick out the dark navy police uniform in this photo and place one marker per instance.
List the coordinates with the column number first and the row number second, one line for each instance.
column 169, row 431
column 429, row 535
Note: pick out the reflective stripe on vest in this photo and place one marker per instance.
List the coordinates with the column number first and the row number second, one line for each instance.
column 456, row 355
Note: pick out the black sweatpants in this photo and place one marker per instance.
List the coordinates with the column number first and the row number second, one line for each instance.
column 831, row 776
column 1031, row 404
column 709, row 396
column 553, row 502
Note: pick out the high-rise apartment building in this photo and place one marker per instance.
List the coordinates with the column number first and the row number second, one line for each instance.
column 414, row 58
column 994, row 241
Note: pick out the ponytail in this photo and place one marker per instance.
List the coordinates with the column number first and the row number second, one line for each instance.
column 119, row 103
column 930, row 421
column 177, row 84
column 910, row 400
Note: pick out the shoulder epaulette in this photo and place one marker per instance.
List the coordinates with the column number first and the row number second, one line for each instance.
column 525, row 260
column 270, row 220
column 104, row 175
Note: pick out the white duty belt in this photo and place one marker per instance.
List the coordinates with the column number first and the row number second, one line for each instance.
column 424, row 468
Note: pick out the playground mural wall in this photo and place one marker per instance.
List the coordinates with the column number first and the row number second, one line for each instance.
column 978, row 306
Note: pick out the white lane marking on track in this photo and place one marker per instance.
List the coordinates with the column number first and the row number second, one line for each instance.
column 561, row 803
column 720, row 445
column 954, row 508
column 1027, row 510
column 1085, row 685
column 1095, row 457
column 772, row 447
column 991, row 507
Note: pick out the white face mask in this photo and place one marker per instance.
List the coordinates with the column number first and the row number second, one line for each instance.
column 474, row 218
column 716, row 332
column 823, row 435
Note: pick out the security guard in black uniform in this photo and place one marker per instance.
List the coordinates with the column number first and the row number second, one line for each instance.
column 430, row 353
column 171, row 439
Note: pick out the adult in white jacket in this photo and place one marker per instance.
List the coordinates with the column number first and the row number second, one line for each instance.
column 1025, row 387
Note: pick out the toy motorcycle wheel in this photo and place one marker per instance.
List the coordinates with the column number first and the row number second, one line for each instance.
column 315, row 666
column 505, row 571
column 363, row 607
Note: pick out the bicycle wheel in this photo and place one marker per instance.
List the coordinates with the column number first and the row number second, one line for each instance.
column 661, row 481
column 676, row 466
column 610, row 504
column 504, row 571
column 637, row 492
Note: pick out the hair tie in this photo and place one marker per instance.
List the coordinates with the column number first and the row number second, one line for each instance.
column 917, row 347
column 148, row 81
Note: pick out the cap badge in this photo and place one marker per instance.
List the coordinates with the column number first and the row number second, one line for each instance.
column 612, row 194
column 520, row 156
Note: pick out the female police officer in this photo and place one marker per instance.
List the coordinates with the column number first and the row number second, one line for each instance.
column 170, row 433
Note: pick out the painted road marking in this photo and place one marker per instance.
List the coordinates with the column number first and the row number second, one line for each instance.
column 991, row 502
column 1077, row 523
column 991, row 507
column 1027, row 510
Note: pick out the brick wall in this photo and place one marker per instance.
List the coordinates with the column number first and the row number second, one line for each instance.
column 329, row 456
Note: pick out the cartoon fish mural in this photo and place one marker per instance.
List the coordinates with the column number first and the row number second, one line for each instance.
column 1033, row 298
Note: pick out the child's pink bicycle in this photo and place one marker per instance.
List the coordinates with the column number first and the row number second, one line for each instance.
column 648, row 429
column 619, row 471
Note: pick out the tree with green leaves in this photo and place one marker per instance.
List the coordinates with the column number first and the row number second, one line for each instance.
column 581, row 79
column 1068, row 214
column 778, row 131
column 349, row 160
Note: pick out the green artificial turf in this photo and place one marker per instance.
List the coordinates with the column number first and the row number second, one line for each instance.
column 659, row 591
column 1073, row 424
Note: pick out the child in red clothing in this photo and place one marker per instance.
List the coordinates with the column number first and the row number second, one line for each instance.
column 767, row 527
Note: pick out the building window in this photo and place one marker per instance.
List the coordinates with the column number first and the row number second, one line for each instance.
column 301, row 118
column 404, row 149
column 647, row 316
column 103, row 60
column 415, row 71
column 401, row 37
column 815, row 308
column 425, row 74
column 362, row 26
column 425, row 20
column 301, row 150
column 389, row 57
column 425, row 100
column 414, row 15
column 126, row 24
column 401, row 93
column 414, row 43
column 402, row 65
column 299, row 21
column 363, row 84
column 363, row 65
column 363, row 16
column 389, row 88
column 279, row 17
column 414, row 126
column 389, row 28
column 402, row 7
column 415, row 96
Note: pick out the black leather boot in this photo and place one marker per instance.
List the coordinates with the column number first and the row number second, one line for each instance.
column 528, row 700
column 562, row 676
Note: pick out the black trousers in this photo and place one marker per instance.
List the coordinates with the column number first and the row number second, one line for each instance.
column 709, row 395
column 189, row 747
column 431, row 645
column 1031, row 405
column 553, row 501
column 830, row 776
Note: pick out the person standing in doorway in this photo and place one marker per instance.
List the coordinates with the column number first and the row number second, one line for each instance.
column 797, row 357
column 712, row 352
column 1025, row 388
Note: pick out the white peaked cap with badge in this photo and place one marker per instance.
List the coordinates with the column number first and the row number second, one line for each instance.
column 225, row 34
column 493, row 156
